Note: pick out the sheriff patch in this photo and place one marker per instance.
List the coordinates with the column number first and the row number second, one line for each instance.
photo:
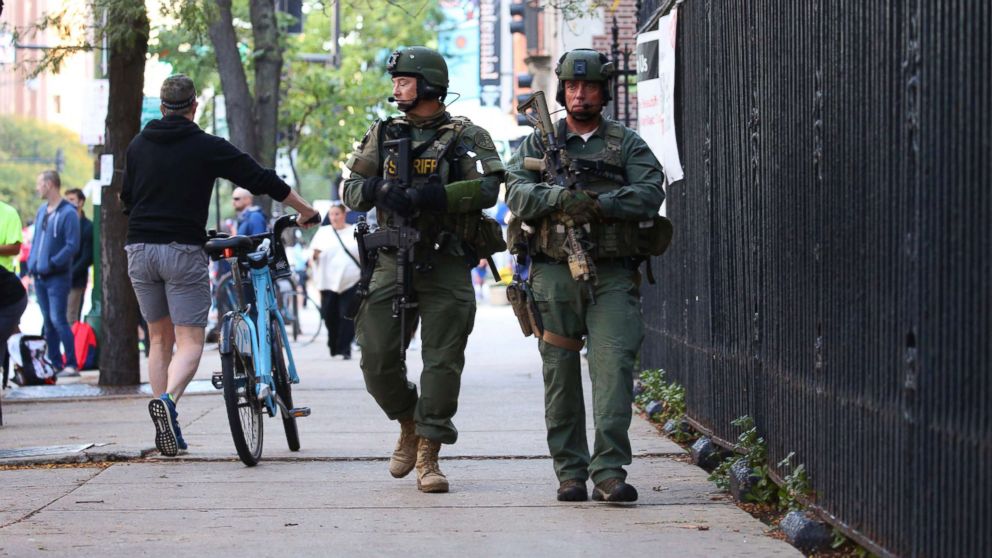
column 422, row 167
column 483, row 140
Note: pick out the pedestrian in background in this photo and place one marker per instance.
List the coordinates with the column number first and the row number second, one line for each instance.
column 84, row 257
column 335, row 255
column 56, row 241
column 169, row 178
column 13, row 301
column 10, row 236
column 301, row 266
column 251, row 218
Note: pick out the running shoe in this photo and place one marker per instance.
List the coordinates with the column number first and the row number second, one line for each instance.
column 168, row 437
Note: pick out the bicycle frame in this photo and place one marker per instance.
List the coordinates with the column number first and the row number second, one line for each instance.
column 258, row 321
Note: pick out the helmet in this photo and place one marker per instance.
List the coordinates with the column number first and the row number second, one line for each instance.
column 424, row 63
column 584, row 64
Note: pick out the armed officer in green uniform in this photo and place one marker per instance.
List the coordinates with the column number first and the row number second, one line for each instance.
column 455, row 173
column 613, row 202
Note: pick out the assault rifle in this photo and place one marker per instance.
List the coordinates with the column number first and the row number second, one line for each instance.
column 400, row 236
column 577, row 245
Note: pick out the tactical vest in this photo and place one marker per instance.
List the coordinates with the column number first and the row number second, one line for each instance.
column 601, row 173
column 439, row 160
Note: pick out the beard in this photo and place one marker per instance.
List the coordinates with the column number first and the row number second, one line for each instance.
column 405, row 106
column 585, row 112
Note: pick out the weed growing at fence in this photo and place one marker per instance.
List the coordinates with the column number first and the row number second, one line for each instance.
column 795, row 485
column 752, row 449
column 671, row 395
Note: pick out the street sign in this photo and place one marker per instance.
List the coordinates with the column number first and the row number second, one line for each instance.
column 150, row 110
column 284, row 166
column 106, row 168
column 96, row 92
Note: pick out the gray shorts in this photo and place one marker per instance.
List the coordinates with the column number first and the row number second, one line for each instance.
column 170, row 280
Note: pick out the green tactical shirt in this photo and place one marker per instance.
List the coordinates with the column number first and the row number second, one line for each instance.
column 480, row 170
column 530, row 198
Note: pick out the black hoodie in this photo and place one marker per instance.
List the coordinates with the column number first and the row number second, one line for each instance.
column 169, row 178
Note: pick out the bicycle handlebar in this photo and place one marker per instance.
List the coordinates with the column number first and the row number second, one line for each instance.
column 289, row 221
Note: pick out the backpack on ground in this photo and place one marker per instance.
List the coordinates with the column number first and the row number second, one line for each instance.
column 29, row 355
column 84, row 341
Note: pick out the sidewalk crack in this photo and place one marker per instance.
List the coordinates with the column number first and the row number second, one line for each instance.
column 42, row 508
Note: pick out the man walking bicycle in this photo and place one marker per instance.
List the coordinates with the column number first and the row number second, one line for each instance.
column 169, row 175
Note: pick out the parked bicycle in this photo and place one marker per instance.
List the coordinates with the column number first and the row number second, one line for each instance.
column 257, row 366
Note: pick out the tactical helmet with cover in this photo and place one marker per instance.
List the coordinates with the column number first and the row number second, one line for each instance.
column 584, row 64
column 427, row 65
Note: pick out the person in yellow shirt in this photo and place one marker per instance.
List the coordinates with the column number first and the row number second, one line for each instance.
column 10, row 236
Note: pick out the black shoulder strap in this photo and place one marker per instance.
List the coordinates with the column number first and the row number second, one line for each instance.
column 345, row 248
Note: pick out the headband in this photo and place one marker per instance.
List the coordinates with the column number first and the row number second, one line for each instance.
column 179, row 105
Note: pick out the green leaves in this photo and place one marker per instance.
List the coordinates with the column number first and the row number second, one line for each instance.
column 24, row 148
column 329, row 108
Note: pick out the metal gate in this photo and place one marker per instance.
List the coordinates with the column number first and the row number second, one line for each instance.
column 831, row 274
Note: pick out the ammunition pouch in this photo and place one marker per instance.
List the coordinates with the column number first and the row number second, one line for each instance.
column 529, row 317
column 654, row 236
column 611, row 239
column 482, row 234
column 516, row 237
column 523, row 308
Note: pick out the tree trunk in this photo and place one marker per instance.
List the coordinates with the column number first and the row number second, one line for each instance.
column 268, row 72
column 119, row 316
column 237, row 99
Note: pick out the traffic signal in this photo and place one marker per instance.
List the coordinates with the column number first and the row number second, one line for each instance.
column 295, row 9
column 518, row 11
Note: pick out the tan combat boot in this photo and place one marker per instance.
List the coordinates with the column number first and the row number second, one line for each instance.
column 405, row 455
column 429, row 475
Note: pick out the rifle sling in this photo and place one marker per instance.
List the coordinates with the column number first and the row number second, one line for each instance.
column 492, row 267
column 561, row 341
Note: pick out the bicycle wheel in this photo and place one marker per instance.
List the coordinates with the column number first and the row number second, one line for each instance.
column 283, row 388
column 244, row 410
column 296, row 317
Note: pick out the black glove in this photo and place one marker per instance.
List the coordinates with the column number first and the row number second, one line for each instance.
column 386, row 193
column 432, row 197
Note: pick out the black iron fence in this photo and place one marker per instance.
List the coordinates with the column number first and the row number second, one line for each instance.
column 832, row 269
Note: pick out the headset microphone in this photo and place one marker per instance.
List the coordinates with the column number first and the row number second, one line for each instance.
column 391, row 99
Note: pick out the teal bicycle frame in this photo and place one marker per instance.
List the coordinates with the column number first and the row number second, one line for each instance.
column 258, row 319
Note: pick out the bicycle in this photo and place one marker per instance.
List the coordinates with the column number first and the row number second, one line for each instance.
column 254, row 347
column 287, row 304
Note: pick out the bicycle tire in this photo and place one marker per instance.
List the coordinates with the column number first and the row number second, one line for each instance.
column 284, row 389
column 244, row 410
column 296, row 318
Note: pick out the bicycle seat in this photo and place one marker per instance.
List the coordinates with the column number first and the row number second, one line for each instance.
column 217, row 248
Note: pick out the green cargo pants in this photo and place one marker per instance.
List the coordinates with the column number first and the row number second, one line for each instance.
column 615, row 330
column 447, row 314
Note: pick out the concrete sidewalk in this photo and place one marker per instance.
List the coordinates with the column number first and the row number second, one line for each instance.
column 335, row 495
